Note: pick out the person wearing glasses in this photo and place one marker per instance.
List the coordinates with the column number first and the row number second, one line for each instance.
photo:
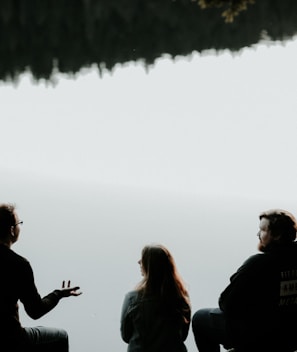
column 17, row 284
column 258, row 309
column 156, row 315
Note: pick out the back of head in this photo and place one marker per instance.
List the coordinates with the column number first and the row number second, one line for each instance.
column 161, row 280
column 7, row 219
column 158, row 266
column 282, row 224
column 161, row 277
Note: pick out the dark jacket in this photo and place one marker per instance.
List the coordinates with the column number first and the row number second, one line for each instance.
column 260, row 303
column 146, row 328
column 17, row 283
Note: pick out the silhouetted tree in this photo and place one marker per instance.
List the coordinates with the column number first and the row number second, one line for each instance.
column 68, row 35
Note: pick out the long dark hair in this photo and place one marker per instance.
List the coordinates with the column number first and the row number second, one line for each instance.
column 162, row 280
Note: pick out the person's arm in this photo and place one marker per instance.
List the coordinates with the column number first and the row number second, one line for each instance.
column 34, row 305
column 126, row 321
column 242, row 290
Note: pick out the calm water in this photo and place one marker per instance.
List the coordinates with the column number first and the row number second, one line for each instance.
column 93, row 236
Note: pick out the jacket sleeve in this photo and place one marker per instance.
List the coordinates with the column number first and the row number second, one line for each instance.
column 242, row 292
column 126, row 320
column 34, row 305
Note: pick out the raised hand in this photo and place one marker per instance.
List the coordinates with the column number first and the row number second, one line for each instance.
column 69, row 291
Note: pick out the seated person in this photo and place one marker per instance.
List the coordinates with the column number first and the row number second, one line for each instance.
column 156, row 315
column 258, row 309
column 17, row 283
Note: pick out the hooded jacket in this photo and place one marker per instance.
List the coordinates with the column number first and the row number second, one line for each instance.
column 260, row 303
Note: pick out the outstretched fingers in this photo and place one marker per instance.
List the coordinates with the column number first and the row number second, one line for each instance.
column 70, row 291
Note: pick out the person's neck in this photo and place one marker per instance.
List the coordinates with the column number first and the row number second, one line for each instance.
column 6, row 243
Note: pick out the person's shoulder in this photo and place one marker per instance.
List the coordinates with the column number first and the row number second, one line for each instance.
column 19, row 257
column 259, row 262
column 255, row 258
column 254, row 261
column 14, row 260
column 132, row 295
column 9, row 253
column 20, row 261
column 132, row 298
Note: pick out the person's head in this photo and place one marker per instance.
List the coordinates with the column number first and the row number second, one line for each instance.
column 277, row 226
column 156, row 263
column 9, row 224
column 159, row 272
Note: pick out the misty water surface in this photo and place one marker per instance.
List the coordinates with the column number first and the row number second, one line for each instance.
column 93, row 236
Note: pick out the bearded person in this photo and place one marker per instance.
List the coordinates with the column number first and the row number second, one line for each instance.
column 258, row 309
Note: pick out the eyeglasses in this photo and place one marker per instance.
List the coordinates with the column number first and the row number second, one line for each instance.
column 18, row 223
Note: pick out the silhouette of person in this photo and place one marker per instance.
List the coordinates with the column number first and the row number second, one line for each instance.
column 17, row 284
column 258, row 309
column 156, row 315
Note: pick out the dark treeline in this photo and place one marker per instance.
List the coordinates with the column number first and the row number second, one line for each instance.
column 67, row 35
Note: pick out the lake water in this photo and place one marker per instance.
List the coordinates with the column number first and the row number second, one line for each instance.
column 93, row 235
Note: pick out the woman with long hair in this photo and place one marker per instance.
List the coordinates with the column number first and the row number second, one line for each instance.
column 156, row 315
